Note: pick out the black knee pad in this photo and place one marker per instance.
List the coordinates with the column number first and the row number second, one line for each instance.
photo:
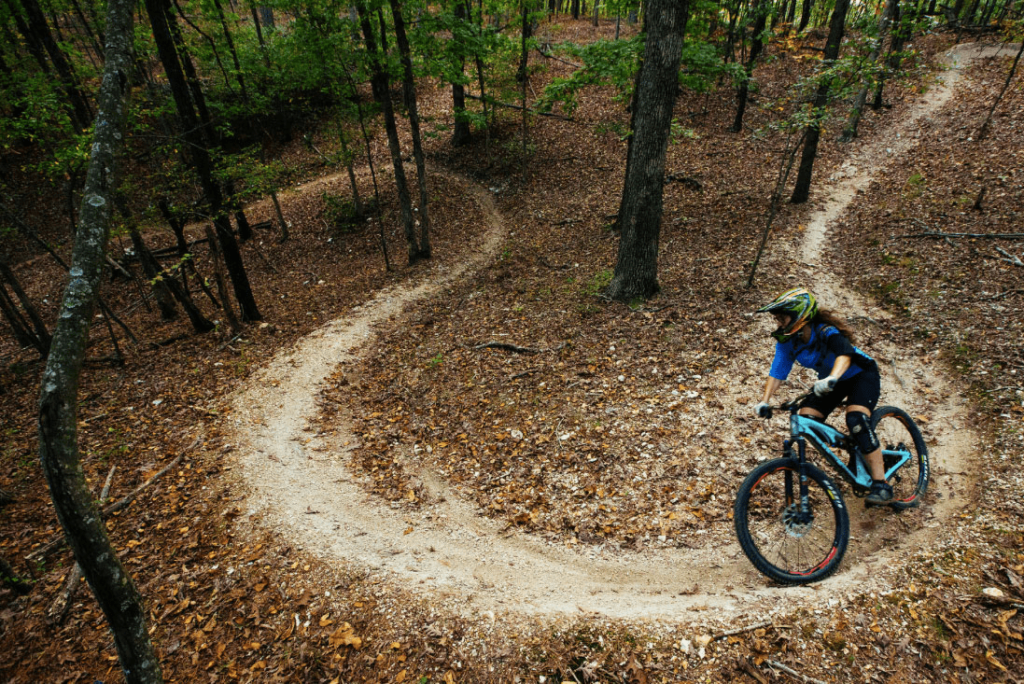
column 861, row 432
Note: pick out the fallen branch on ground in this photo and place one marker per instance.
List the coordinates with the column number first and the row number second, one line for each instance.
column 58, row 610
column 1002, row 295
column 507, row 105
column 793, row 673
column 742, row 630
column 691, row 183
column 1010, row 258
column 935, row 235
column 507, row 347
column 56, row 543
column 548, row 55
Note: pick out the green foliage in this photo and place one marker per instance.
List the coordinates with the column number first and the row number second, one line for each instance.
column 678, row 132
column 914, row 186
column 341, row 214
column 605, row 62
column 702, row 66
column 598, row 282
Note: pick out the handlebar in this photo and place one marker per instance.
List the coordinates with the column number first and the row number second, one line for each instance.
column 792, row 405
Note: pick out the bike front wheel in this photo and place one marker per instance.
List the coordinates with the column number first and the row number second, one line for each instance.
column 786, row 540
column 899, row 435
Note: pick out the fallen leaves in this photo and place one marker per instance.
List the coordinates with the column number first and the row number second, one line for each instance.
column 345, row 636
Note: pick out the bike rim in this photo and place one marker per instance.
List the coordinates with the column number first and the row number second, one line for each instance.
column 894, row 435
column 785, row 536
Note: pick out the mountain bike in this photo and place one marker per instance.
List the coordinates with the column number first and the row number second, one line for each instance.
column 791, row 520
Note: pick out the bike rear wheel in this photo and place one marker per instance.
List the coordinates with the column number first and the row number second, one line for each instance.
column 783, row 541
column 897, row 432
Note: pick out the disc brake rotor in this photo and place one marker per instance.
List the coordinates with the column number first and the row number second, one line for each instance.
column 797, row 524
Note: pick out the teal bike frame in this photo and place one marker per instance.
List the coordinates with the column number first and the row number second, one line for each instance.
column 824, row 438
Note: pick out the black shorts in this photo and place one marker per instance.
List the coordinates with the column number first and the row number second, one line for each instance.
column 863, row 389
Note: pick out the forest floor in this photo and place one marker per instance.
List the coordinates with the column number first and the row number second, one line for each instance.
column 375, row 496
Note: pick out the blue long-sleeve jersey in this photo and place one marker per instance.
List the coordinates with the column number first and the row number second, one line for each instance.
column 819, row 354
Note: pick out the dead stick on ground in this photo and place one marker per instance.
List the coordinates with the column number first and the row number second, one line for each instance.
column 506, row 347
column 742, row 630
column 1005, row 294
column 58, row 611
column 986, row 236
column 58, row 542
column 793, row 673
column 1010, row 258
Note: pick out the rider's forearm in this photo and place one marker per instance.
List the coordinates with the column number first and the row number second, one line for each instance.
column 841, row 365
column 769, row 388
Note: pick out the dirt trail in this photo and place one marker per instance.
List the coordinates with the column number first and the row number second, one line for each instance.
column 300, row 485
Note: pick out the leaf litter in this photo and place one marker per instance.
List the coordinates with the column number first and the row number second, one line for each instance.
column 232, row 601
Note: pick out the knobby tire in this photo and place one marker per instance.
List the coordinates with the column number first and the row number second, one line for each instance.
column 896, row 429
column 780, row 544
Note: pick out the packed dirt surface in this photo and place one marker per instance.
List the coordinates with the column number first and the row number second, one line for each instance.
column 301, row 485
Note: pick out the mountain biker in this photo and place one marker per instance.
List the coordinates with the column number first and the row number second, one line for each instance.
column 820, row 340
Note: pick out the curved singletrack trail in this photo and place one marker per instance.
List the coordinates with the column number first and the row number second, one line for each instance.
column 300, row 484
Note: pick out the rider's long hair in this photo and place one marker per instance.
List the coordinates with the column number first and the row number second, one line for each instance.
column 829, row 318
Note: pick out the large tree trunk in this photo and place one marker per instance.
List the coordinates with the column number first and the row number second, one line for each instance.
column 805, row 15
column 409, row 86
column 381, row 90
column 636, row 271
column 802, row 189
column 850, row 132
column 58, row 402
column 461, row 134
column 200, row 156
column 761, row 8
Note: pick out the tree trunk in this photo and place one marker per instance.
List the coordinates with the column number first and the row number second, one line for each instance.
column 636, row 270
column 244, row 229
column 381, row 88
column 165, row 285
column 58, row 402
column 802, row 189
column 373, row 177
column 19, row 326
column 805, row 15
column 222, row 290
column 231, row 49
column 850, row 132
column 40, row 335
column 575, row 9
column 983, row 131
column 761, row 8
column 151, row 269
column 95, row 41
column 597, row 13
column 259, row 35
column 409, row 86
column 461, row 134
column 200, row 156
column 81, row 113
column 904, row 25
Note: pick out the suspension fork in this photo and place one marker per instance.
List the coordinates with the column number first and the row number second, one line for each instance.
column 803, row 488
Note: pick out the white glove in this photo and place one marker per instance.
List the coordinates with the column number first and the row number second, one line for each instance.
column 763, row 410
column 824, row 386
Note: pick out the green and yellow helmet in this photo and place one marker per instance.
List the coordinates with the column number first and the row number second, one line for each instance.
column 798, row 303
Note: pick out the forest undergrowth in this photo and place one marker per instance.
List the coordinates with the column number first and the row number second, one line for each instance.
column 567, row 442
